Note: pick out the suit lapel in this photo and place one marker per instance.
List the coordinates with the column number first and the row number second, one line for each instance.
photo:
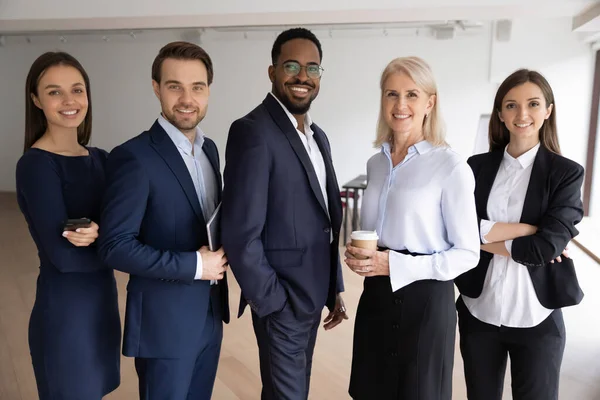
column 485, row 180
column 536, row 188
column 333, row 194
column 169, row 153
column 284, row 123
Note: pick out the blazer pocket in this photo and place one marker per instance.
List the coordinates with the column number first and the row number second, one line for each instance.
column 556, row 284
column 285, row 257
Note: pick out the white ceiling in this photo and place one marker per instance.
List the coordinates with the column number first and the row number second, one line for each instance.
column 29, row 16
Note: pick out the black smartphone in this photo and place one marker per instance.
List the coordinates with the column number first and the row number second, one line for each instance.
column 76, row 223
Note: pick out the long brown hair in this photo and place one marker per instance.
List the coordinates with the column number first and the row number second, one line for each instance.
column 499, row 136
column 35, row 120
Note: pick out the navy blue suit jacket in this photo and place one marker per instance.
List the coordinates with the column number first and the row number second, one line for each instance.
column 152, row 226
column 275, row 227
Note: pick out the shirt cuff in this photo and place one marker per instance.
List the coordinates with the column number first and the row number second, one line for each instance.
column 406, row 269
column 508, row 245
column 198, row 266
column 484, row 228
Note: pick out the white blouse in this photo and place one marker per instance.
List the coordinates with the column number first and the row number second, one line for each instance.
column 425, row 205
column 508, row 297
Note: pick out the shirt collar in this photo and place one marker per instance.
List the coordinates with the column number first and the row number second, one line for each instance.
column 178, row 138
column 421, row 147
column 525, row 159
column 307, row 120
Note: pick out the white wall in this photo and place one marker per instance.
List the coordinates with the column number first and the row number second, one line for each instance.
column 347, row 106
column 566, row 63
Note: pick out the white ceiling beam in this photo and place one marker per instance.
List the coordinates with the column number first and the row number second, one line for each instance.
column 588, row 20
column 305, row 18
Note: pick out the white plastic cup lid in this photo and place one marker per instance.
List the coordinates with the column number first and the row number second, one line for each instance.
column 364, row 235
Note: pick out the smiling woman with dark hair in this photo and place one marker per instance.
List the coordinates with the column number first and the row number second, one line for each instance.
column 75, row 330
column 528, row 202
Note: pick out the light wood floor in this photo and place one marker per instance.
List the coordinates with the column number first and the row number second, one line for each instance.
column 238, row 375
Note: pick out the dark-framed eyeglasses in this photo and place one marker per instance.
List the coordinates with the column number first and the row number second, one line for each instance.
column 293, row 68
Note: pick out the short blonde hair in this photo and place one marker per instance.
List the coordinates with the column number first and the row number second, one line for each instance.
column 420, row 72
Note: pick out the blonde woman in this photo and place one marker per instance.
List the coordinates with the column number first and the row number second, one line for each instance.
column 419, row 199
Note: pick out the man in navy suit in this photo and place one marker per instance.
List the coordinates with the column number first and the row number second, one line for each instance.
column 162, row 187
column 281, row 220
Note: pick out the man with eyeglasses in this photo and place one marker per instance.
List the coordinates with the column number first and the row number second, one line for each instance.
column 281, row 218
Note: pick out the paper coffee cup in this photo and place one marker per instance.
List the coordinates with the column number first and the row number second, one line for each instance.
column 364, row 239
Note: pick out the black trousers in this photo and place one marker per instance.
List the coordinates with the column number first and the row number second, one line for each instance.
column 535, row 357
column 285, row 349
column 404, row 341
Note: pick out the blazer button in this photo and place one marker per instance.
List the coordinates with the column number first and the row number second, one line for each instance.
column 396, row 326
column 326, row 230
column 397, row 301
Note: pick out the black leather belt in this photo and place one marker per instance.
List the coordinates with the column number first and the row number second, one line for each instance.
column 402, row 251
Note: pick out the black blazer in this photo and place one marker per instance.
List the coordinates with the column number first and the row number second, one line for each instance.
column 553, row 204
column 275, row 227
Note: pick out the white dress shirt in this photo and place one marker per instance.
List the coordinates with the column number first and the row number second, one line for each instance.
column 508, row 297
column 425, row 205
column 316, row 158
column 201, row 172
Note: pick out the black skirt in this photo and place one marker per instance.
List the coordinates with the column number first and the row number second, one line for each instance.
column 404, row 341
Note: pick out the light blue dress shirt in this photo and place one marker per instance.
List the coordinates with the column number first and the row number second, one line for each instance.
column 425, row 205
column 201, row 171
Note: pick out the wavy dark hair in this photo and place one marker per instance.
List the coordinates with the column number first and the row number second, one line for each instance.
column 499, row 136
column 35, row 120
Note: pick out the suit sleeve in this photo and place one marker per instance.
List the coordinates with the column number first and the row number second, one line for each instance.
column 40, row 187
column 245, row 202
column 124, row 208
column 474, row 164
column 340, row 276
column 557, row 226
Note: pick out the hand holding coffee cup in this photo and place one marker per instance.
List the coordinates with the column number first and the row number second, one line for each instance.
column 362, row 256
column 364, row 240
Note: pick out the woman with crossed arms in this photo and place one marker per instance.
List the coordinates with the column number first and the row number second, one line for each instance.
column 528, row 201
